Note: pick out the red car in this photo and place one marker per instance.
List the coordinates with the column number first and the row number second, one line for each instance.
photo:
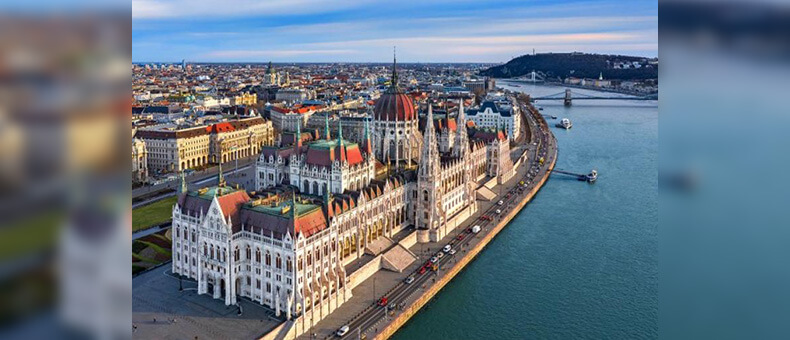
column 422, row 270
column 383, row 301
column 461, row 237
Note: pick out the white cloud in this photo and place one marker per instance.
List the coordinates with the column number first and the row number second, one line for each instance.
column 159, row 9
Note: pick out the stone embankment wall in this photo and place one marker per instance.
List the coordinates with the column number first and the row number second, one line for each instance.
column 401, row 319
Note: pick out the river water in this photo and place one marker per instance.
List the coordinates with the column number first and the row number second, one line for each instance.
column 581, row 260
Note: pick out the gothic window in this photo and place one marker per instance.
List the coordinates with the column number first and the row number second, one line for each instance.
column 288, row 264
column 249, row 253
column 236, row 254
column 279, row 262
column 268, row 258
column 258, row 255
column 425, row 195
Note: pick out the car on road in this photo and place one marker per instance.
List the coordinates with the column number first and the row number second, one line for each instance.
column 434, row 259
column 342, row 331
column 422, row 270
column 500, row 203
column 498, row 211
column 410, row 279
column 439, row 255
column 447, row 248
column 452, row 251
column 460, row 237
column 476, row 229
column 383, row 301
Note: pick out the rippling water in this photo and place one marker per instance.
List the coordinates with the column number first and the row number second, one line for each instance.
column 581, row 260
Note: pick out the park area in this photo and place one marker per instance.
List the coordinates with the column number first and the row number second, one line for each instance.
column 153, row 214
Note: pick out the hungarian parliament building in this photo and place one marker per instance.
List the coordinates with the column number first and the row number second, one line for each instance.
column 324, row 202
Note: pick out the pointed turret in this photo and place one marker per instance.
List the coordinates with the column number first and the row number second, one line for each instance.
column 367, row 146
column 183, row 188
column 461, row 138
column 341, row 146
column 298, row 137
column 394, row 80
column 326, row 126
column 220, row 177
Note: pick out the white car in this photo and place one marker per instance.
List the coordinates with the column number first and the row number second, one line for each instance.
column 452, row 251
column 439, row 255
column 342, row 331
column 498, row 211
column 500, row 203
column 434, row 259
column 409, row 279
column 447, row 248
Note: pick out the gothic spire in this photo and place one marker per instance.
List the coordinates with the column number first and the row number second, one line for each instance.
column 326, row 126
column 183, row 188
column 394, row 80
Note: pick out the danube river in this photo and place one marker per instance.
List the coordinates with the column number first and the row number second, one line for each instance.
column 581, row 260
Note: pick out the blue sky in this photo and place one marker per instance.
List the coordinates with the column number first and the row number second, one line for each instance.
column 366, row 30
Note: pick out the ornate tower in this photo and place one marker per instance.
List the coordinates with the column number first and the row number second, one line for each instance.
column 461, row 145
column 429, row 209
column 396, row 135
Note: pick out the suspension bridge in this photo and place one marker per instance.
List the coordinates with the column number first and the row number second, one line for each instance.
column 569, row 96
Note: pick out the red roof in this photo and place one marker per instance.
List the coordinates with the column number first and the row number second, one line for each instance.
column 231, row 203
column 220, row 127
column 394, row 106
column 310, row 223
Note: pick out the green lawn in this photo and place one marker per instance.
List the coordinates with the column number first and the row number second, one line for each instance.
column 153, row 214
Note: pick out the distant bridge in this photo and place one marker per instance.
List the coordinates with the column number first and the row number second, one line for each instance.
column 532, row 77
column 568, row 96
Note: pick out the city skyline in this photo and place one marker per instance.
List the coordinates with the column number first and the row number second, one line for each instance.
column 363, row 31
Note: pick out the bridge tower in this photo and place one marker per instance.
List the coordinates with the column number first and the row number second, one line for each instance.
column 567, row 97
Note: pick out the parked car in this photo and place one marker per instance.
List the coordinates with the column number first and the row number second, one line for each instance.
column 452, row 251
column 342, row 331
column 447, row 248
column 476, row 229
column 439, row 255
column 434, row 259
column 410, row 279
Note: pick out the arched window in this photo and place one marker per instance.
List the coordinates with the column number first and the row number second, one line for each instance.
column 249, row 253
column 205, row 250
column 236, row 254
column 279, row 262
column 309, row 258
column 288, row 264
column 258, row 255
column 268, row 258
column 299, row 263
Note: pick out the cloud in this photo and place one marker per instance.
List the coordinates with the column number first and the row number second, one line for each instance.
column 159, row 9
column 241, row 54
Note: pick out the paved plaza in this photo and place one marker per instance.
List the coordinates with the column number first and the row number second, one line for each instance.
column 161, row 311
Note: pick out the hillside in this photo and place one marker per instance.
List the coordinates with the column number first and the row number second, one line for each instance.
column 578, row 65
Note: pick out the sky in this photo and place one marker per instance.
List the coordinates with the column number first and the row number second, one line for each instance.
column 367, row 30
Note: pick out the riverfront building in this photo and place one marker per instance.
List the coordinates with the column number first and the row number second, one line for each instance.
column 323, row 202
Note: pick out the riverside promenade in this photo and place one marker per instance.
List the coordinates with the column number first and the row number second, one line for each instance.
column 362, row 313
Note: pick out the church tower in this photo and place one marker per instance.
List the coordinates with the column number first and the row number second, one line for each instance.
column 429, row 208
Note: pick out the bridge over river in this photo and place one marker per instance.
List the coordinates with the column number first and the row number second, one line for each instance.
column 569, row 96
